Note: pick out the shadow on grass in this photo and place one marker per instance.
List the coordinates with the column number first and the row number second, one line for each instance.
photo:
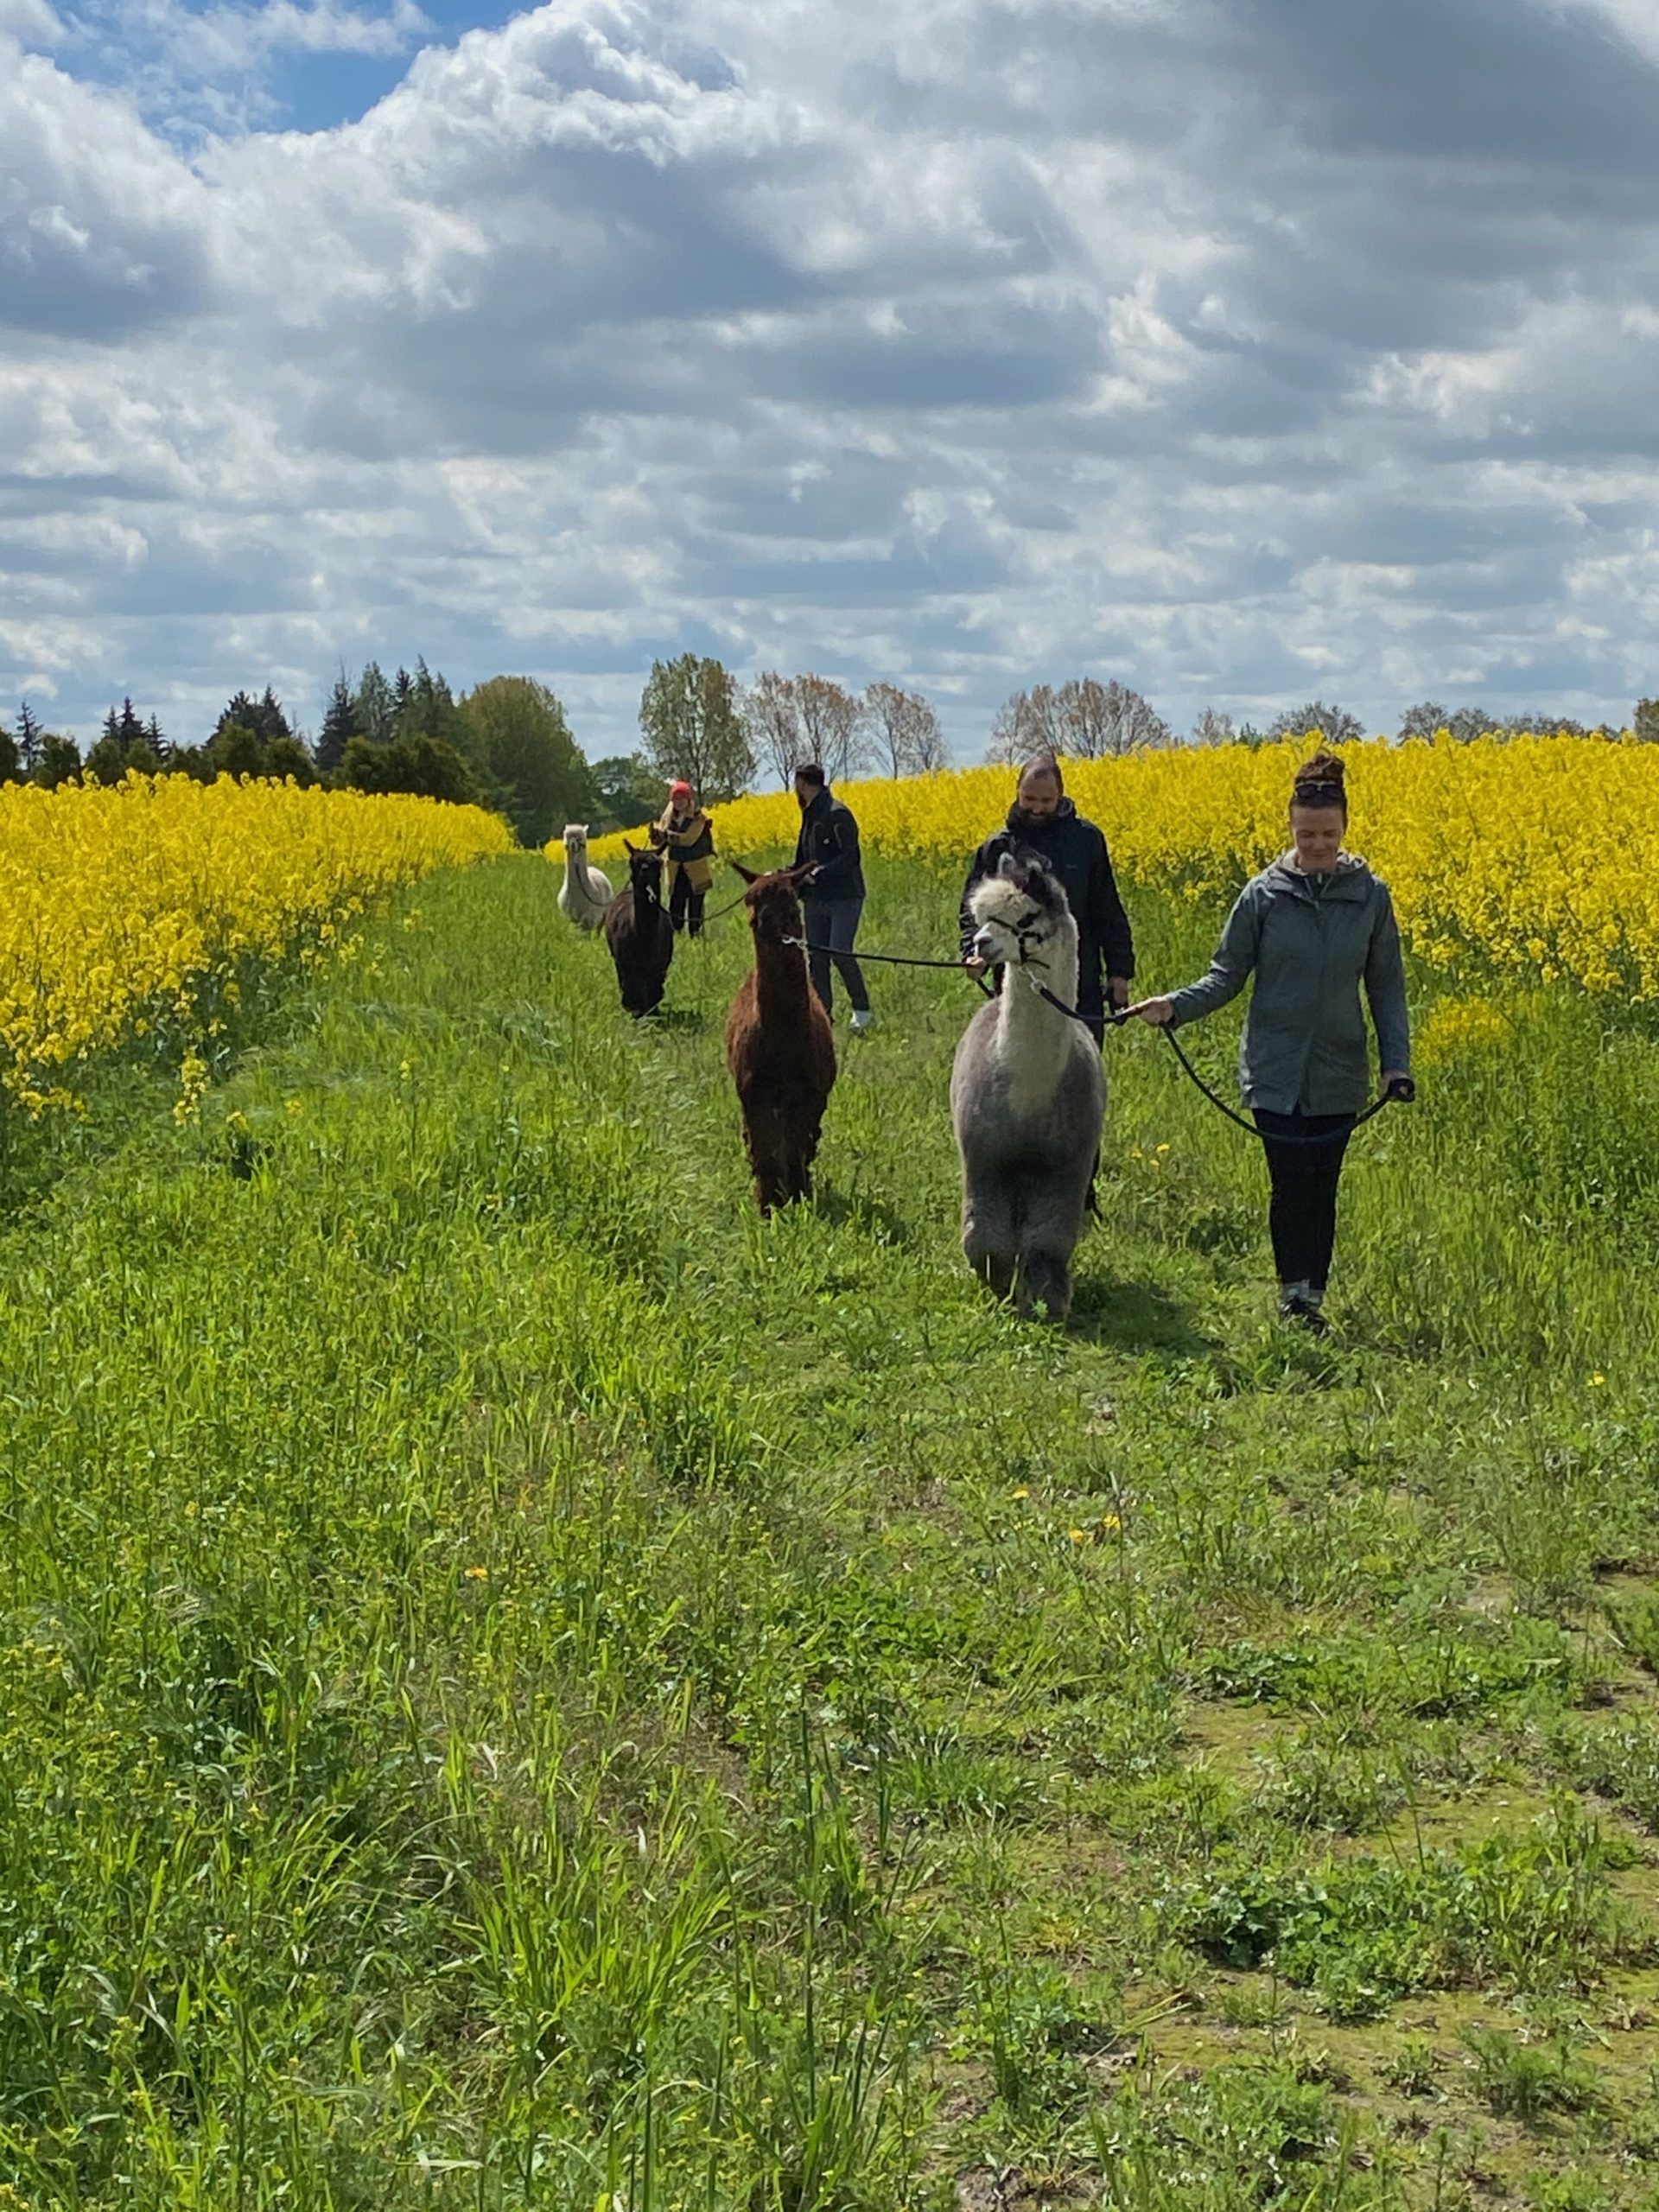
column 1136, row 1317
column 683, row 1021
column 873, row 1216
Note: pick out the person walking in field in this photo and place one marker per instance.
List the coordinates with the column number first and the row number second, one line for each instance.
column 1045, row 821
column 833, row 898
column 687, row 838
column 1312, row 928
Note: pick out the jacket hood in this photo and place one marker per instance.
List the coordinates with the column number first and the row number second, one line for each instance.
column 1350, row 876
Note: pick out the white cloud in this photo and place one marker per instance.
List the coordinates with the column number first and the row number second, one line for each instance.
column 1224, row 348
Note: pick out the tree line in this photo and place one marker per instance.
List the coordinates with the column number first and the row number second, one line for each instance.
column 507, row 744
column 1086, row 719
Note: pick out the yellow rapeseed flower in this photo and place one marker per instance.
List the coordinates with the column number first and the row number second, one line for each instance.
column 1497, row 862
column 126, row 906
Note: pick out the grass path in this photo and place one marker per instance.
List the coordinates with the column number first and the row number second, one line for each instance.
column 522, row 1685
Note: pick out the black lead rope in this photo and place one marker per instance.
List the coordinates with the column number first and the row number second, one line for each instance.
column 1403, row 1093
column 1114, row 1017
column 730, row 907
column 887, row 959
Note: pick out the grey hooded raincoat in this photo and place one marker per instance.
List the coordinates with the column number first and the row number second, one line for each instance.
column 1310, row 943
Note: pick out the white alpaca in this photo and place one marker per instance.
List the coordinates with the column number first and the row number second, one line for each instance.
column 1027, row 1095
column 586, row 893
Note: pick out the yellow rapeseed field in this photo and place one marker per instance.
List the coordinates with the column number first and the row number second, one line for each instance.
column 126, row 906
column 1535, row 855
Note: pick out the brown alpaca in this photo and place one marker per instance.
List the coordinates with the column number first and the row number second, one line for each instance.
column 778, row 1046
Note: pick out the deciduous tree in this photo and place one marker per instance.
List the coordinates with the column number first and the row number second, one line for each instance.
column 1335, row 724
column 1213, row 728
column 691, row 728
column 518, row 735
column 771, row 718
column 903, row 731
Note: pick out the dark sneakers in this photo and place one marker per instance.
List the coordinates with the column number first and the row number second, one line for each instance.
column 1299, row 1303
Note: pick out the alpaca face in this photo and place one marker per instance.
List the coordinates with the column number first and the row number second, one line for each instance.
column 774, row 910
column 1019, row 912
column 575, row 844
column 645, row 877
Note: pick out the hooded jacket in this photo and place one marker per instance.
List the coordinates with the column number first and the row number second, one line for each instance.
column 1076, row 850
column 1305, row 1048
column 828, row 839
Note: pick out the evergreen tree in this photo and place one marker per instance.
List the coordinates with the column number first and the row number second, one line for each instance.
column 377, row 706
column 340, row 724
column 30, row 735
column 11, row 758
column 130, row 728
column 264, row 717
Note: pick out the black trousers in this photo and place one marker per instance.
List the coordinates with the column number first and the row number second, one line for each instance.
column 685, row 905
column 832, row 923
column 1302, row 1212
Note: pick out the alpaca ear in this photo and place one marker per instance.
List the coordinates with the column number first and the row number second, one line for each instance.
column 748, row 873
column 807, row 870
column 633, row 852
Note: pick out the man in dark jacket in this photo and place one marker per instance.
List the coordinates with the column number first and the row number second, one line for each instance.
column 1044, row 820
column 834, row 896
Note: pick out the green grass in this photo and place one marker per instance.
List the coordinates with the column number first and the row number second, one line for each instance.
column 522, row 1684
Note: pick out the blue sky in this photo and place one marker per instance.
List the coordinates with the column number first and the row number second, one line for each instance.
column 1245, row 350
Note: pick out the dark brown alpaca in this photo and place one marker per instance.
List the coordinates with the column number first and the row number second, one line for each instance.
column 640, row 935
column 779, row 1046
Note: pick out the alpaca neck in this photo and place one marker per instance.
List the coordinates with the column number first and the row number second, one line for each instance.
column 1029, row 1030
column 780, row 984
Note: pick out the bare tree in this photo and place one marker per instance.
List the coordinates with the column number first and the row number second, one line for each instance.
column 1025, row 724
column 903, row 731
column 1085, row 719
column 832, row 725
column 772, row 716
column 1097, row 719
column 1423, row 720
column 1213, row 728
column 1335, row 724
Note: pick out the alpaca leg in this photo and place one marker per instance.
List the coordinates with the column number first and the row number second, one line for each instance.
column 768, row 1162
column 802, row 1154
column 988, row 1243
column 1046, row 1279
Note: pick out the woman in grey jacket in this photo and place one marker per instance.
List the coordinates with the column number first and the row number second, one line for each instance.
column 1312, row 927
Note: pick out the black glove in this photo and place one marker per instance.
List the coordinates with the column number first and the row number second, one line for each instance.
column 1402, row 1091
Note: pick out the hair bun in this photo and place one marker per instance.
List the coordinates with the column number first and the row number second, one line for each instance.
column 1323, row 774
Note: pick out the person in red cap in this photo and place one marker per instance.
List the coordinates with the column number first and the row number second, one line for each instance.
column 686, row 836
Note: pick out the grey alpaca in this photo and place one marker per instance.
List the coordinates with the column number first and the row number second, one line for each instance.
column 1027, row 1095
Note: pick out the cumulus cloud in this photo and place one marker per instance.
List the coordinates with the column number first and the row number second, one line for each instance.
column 1233, row 348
